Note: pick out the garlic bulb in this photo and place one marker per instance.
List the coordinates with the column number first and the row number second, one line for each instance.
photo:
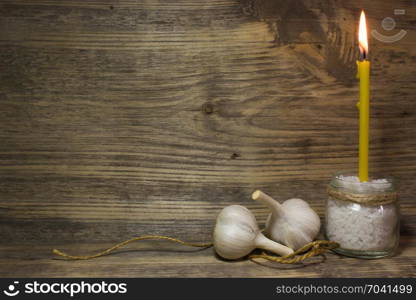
column 236, row 234
column 293, row 223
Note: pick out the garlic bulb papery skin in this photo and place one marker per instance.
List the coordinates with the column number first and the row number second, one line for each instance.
column 293, row 223
column 236, row 234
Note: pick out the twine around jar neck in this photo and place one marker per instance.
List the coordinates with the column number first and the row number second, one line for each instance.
column 370, row 199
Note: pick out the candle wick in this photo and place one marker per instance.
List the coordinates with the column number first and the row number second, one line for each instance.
column 363, row 54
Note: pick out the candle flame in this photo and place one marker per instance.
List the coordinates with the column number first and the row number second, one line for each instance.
column 362, row 35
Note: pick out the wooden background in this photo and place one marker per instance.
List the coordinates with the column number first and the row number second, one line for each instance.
column 122, row 118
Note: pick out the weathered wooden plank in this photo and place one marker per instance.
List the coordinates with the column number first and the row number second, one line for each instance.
column 141, row 260
column 120, row 118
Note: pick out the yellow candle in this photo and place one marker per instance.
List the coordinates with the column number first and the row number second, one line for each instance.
column 364, row 104
column 364, row 108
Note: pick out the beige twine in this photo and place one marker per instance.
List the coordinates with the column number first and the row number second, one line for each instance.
column 370, row 199
column 311, row 249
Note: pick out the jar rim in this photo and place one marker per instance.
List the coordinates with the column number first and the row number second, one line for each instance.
column 349, row 182
column 380, row 179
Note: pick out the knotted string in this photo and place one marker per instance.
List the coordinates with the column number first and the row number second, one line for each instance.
column 311, row 249
column 368, row 199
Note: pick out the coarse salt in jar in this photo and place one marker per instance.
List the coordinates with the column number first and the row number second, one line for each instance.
column 363, row 217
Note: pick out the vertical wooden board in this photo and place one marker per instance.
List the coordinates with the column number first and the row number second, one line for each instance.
column 128, row 117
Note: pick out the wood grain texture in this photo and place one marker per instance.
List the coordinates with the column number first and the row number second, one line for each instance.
column 120, row 118
column 142, row 260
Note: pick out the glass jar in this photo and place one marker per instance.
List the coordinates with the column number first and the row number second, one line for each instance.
column 363, row 217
